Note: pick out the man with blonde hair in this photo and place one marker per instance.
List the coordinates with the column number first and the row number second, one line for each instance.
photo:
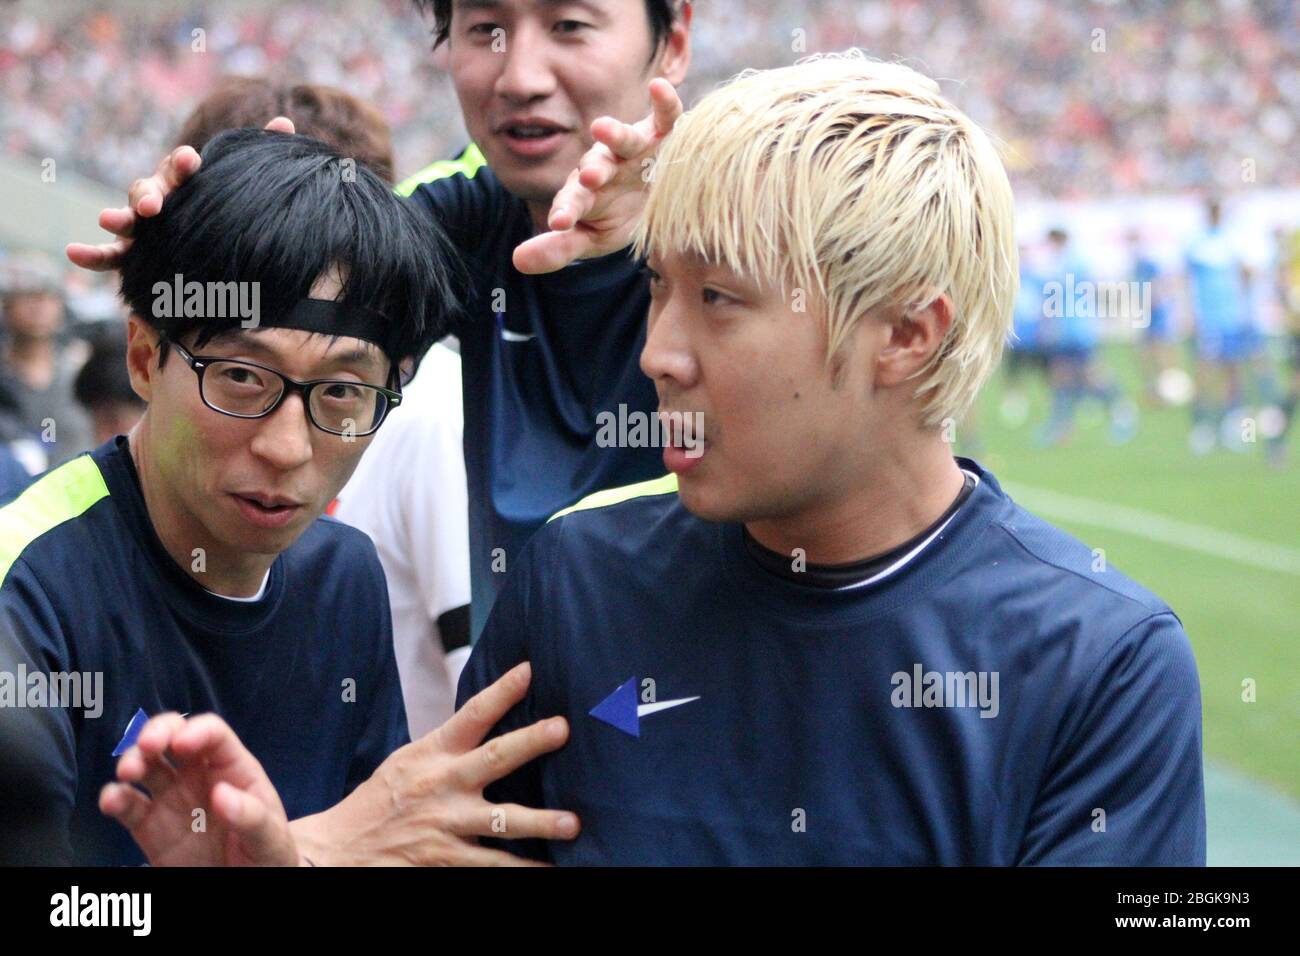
column 823, row 639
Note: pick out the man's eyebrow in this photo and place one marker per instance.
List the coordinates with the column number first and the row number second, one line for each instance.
column 246, row 341
column 354, row 356
column 471, row 5
column 592, row 5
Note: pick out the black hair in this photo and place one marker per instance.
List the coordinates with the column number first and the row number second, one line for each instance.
column 660, row 14
column 103, row 379
column 282, row 210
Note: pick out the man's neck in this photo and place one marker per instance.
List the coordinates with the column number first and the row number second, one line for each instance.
column 539, row 212
column 214, row 567
column 904, row 496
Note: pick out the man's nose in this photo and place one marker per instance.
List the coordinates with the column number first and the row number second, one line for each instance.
column 284, row 437
column 526, row 72
column 667, row 354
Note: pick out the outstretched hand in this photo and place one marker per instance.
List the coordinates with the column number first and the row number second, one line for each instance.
column 597, row 209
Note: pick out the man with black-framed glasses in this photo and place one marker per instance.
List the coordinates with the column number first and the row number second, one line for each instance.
column 243, row 389
column 185, row 568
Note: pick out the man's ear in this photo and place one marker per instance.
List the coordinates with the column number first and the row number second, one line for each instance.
column 141, row 356
column 914, row 338
column 675, row 57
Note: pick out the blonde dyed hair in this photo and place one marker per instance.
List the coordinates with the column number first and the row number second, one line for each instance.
column 857, row 182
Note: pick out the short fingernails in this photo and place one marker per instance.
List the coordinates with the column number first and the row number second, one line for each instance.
column 567, row 825
column 557, row 728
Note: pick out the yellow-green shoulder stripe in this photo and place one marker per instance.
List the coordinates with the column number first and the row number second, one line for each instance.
column 59, row 496
column 467, row 163
column 667, row 485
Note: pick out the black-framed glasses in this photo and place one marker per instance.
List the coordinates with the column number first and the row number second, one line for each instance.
column 247, row 390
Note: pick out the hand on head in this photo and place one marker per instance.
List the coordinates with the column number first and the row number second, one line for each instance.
column 145, row 198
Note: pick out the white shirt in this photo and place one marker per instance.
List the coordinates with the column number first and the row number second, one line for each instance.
column 409, row 495
column 261, row 591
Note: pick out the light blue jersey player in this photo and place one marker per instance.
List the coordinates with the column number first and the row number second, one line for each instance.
column 1218, row 284
column 1026, row 354
column 1217, row 290
column 1070, row 329
column 1154, row 323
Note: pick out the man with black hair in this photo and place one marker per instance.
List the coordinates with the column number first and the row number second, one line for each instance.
column 545, row 357
column 183, row 568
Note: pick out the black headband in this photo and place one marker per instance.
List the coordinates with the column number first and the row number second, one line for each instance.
column 330, row 317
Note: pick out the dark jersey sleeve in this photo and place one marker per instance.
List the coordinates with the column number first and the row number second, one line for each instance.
column 384, row 727
column 38, row 764
column 508, row 640
column 467, row 200
column 1125, row 786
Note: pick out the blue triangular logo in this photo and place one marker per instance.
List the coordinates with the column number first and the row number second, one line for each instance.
column 619, row 709
column 132, row 732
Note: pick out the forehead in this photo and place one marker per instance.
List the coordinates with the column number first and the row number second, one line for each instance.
column 690, row 262
column 296, row 347
column 684, row 259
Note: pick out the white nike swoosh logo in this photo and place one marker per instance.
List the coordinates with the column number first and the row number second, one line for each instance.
column 644, row 709
column 509, row 336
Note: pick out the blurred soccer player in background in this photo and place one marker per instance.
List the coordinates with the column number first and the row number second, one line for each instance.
column 37, row 367
column 1218, row 281
column 1070, row 332
column 103, row 387
column 1156, row 350
column 1026, row 358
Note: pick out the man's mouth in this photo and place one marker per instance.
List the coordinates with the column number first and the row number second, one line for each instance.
column 267, row 511
column 682, row 429
column 532, row 136
column 530, row 131
column 683, row 440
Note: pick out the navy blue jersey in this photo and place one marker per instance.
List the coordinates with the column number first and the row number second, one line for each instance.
column 543, row 357
column 305, row 675
column 1000, row 699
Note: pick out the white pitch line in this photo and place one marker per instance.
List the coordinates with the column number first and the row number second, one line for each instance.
column 1154, row 527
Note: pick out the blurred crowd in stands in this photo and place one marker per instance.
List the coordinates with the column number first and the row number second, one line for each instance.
column 1092, row 98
